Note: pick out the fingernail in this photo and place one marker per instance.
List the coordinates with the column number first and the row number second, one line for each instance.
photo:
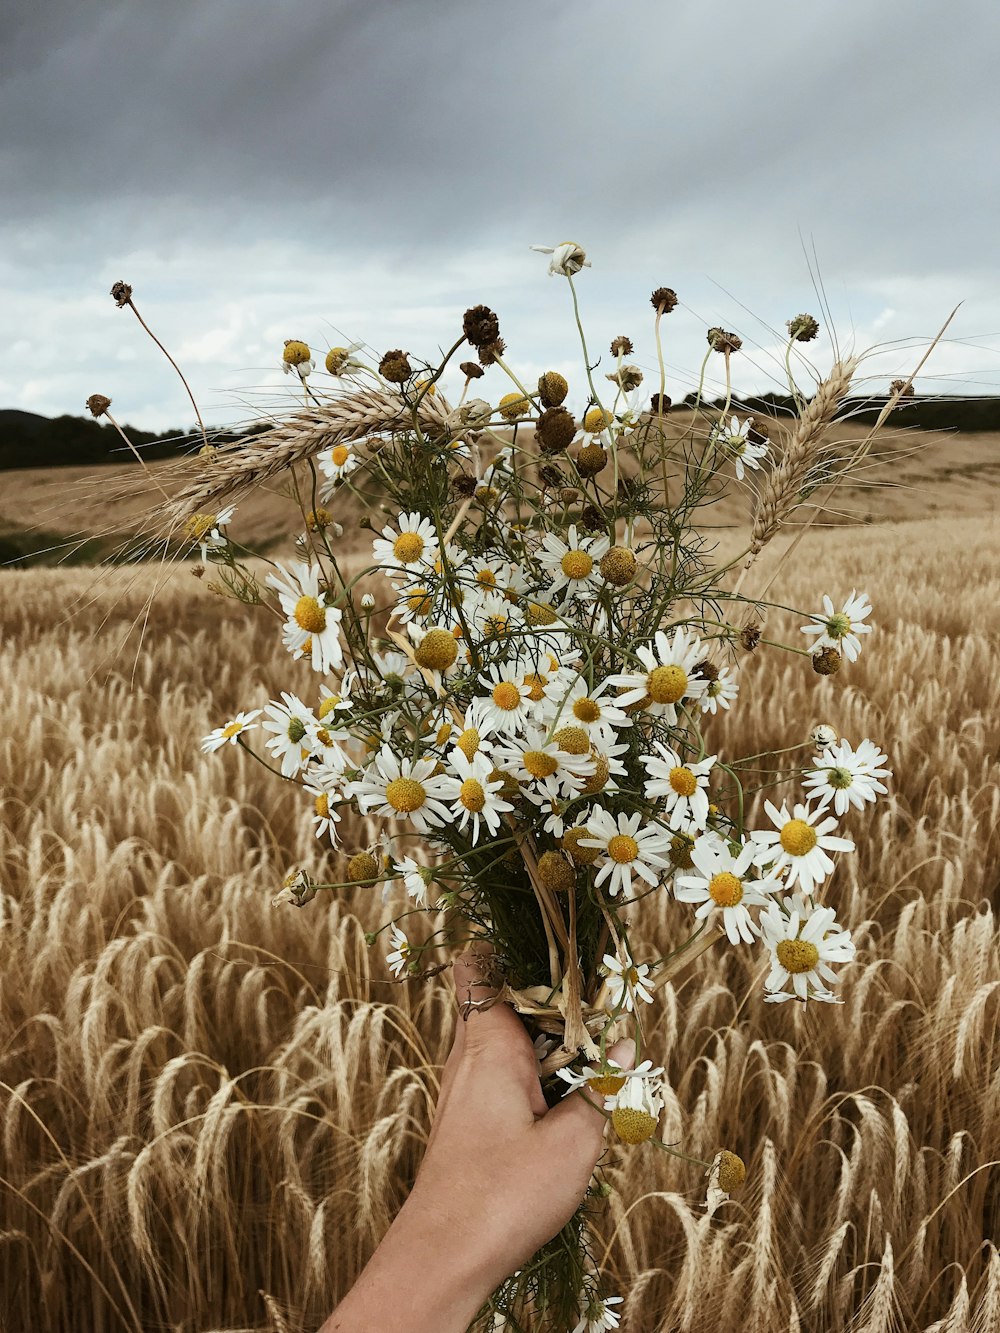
column 623, row 1054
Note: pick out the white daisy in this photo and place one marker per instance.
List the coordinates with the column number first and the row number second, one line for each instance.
column 840, row 629
column 312, row 627
column 799, row 844
column 290, row 722
column 607, row 1080
column 415, row 878
column 577, row 705
column 324, row 786
column 542, row 766
column 626, row 849
column 413, row 547
column 337, row 462
column 848, row 777
column 626, row 982
column 735, row 440
column 721, row 691
column 573, row 564
column 599, row 1316
column 801, row 950
column 681, row 788
column 230, row 732
column 720, row 883
column 475, row 797
column 506, row 706
column 399, row 958
column 206, row 529
column 404, row 788
column 567, row 257
column 667, row 679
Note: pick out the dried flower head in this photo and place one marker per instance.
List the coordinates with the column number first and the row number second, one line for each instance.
column 663, row 300
column 552, row 388
column 758, row 431
column 490, row 353
column 803, row 328
column 627, row 378
column 826, row 661
column 660, row 403
column 823, row 735
column 722, row 341
column 395, row 366
column 750, row 636
column 97, row 404
column 480, row 326
column 901, row 387
column 591, row 459
column 464, row 485
column 567, row 257
column 556, row 872
column 362, row 866
column 618, row 566
column 122, row 293
column 622, row 346
column 296, row 888
column 555, row 430
column 471, row 371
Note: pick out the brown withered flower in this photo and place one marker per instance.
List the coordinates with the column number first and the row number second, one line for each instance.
column 664, row 299
column 803, row 328
column 622, row 346
column 902, row 388
column 395, row 366
column 480, row 326
column 555, row 430
column 720, row 340
column 660, row 403
column 489, row 352
column 97, row 404
column 826, row 662
column 122, row 293
column 750, row 636
column 470, row 370
column 552, row 388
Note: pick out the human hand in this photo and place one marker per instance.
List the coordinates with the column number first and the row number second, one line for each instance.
column 502, row 1174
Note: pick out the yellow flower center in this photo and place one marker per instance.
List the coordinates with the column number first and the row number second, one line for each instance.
column 233, row 729
column 296, row 730
column 437, row 650
column 295, row 352
column 539, row 764
column 577, row 564
column 328, row 705
column 574, row 740
column 596, row 419
column 472, row 796
column 419, row 601
column 838, row 626
column 405, row 795
column 798, row 838
column 339, row 454
column 732, row 1171
column 622, row 848
column 797, row 955
column 408, row 547
column 506, row 696
column 486, row 578
column 322, row 804
column 309, row 615
column 444, row 731
column 666, row 684
column 539, row 613
column 585, row 710
column 683, row 781
column 725, row 889
column 597, row 780
column 495, row 627
column 468, row 742
column 632, row 1125
column 324, row 737
column 606, row 1085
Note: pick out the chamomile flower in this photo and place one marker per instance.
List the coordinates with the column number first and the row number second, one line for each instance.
column 599, row 1316
column 567, row 258
column 608, row 1080
column 573, row 564
column 477, row 799
column 507, row 705
column 799, row 844
column 399, row 958
column 735, row 440
column 412, row 548
column 726, row 1173
column 848, row 777
column 297, row 358
column 681, row 788
column 229, row 734
column 626, row 849
column 404, row 788
column 206, row 530
column 311, row 625
column 720, row 882
column 841, row 629
column 323, row 786
column 337, row 462
column 542, row 766
column 415, row 879
column 341, row 361
column 637, row 1109
column 575, row 704
column 802, row 950
column 666, row 678
column 626, row 982
column 290, row 722
column 721, row 691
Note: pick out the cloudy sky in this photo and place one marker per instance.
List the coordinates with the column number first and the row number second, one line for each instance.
column 338, row 170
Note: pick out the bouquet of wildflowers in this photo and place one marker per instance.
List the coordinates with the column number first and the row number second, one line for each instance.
column 516, row 685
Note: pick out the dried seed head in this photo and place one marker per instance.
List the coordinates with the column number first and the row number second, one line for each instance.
column 513, row 406
column 622, row 346
column 491, row 352
column 437, row 650
column 295, row 353
column 732, row 1171
column 826, row 662
column 901, row 387
column 556, row 872
column 464, row 485
column 550, row 476
column 618, row 566
column 823, row 735
column 395, row 366
column 632, row 1125
column 664, row 299
column 570, row 842
column 591, row 459
column 362, row 865
column 759, row 431
column 317, row 519
column 480, row 326
column 722, row 341
column 628, row 378
column 471, row 371
column 569, row 495
column 552, row 388
column 750, row 636
column 97, row 404
column 555, row 430
column 803, row 328
column 122, row 293
column 705, row 670
column 659, row 403
column 591, row 518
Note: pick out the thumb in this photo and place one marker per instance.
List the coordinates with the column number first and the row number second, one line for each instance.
column 477, row 985
column 576, row 1125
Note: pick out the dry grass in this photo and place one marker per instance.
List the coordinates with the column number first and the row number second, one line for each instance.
column 210, row 1109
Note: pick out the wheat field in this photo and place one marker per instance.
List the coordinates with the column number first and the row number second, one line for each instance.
column 211, row 1108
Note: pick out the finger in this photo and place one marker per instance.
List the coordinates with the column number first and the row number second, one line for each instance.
column 575, row 1127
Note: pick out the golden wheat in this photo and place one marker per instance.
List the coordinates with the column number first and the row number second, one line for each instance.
column 211, row 1109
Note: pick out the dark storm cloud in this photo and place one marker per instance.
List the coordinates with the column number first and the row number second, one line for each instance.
column 267, row 149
